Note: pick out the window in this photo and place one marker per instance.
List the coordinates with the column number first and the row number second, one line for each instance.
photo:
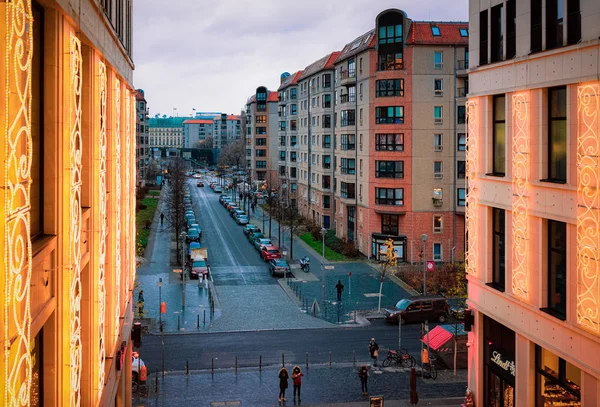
column 558, row 382
column 437, row 142
column 464, row 32
column 261, row 141
column 261, row 119
column 293, row 172
column 390, row 34
column 326, row 80
column 282, row 141
column 511, row 30
column 499, row 136
column 461, row 197
column 326, row 161
column 348, row 142
column 351, row 68
column 498, row 249
column 461, row 115
column 389, row 142
column 389, row 224
column 249, row 131
column 389, row 115
column 348, row 166
column 389, row 196
column 293, row 109
column 326, row 100
column 536, row 25
column 437, row 224
column 293, row 140
column 438, row 114
column 390, row 61
column 261, row 130
column 293, row 156
column 282, row 126
column 554, row 23
column 573, row 22
column 260, row 153
column 483, row 39
column 438, row 59
column 348, row 118
column 438, row 169
column 326, row 141
column 326, row 121
column 497, row 33
column 438, row 88
column 261, row 164
column 389, row 87
column 293, row 93
column 282, row 170
column 437, row 252
column 347, row 191
column 389, row 169
column 435, row 30
column 461, row 169
column 557, row 269
column 557, row 134
column 462, row 142
column 326, row 181
column 293, row 125
column 282, row 156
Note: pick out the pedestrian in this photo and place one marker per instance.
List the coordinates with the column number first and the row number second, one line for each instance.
column 297, row 379
column 283, row 383
column 425, row 360
column 252, row 207
column 339, row 287
column 374, row 351
column 414, row 397
column 141, row 296
column 363, row 374
column 162, row 218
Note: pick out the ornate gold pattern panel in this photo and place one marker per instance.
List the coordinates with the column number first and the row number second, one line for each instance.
column 15, row 127
column 471, row 210
column 588, row 207
column 132, row 192
column 520, row 190
column 117, row 206
column 127, row 200
column 102, row 244
column 75, row 165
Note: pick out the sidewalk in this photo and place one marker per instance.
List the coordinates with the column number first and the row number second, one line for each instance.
column 321, row 386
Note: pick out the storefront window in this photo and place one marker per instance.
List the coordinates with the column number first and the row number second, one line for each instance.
column 499, row 364
column 558, row 382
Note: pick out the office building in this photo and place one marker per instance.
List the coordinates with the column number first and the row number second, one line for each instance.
column 198, row 133
column 261, row 137
column 227, row 129
column 142, row 150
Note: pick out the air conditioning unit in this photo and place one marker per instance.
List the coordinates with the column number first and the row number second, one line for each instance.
column 439, row 92
column 438, row 175
column 438, row 120
column 437, row 148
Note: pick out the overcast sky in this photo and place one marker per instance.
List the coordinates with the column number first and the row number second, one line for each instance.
column 211, row 55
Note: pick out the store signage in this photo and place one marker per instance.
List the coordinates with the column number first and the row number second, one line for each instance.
column 507, row 365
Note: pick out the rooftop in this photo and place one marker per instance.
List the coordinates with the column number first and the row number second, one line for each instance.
column 324, row 63
column 421, row 33
column 198, row 121
column 291, row 80
column 358, row 45
column 167, row 121
column 271, row 97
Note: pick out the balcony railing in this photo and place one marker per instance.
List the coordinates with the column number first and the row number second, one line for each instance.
column 347, row 98
column 348, row 122
column 461, row 92
column 462, row 64
column 348, row 74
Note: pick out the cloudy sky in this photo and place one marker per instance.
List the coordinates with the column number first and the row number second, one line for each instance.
column 210, row 55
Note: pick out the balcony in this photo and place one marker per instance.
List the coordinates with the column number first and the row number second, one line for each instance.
column 437, row 202
column 461, row 92
column 348, row 77
column 461, row 67
column 347, row 98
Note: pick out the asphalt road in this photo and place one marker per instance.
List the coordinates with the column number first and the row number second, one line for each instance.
column 200, row 349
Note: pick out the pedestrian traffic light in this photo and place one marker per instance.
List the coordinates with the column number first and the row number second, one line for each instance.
column 469, row 320
column 136, row 334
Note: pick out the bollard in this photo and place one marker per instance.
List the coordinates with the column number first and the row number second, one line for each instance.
column 156, row 384
column 212, row 367
column 354, row 358
column 307, row 360
column 236, row 364
column 282, row 359
column 329, row 358
column 355, row 316
column 178, row 322
column 187, row 367
column 204, row 317
column 260, row 363
column 198, row 323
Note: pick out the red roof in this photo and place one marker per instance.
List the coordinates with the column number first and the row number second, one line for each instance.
column 332, row 57
column 233, row 117
column 437, row 337
column 139, row 95
column 273, row 97
column 292, row 80
column 420, row 33
column 198, row 121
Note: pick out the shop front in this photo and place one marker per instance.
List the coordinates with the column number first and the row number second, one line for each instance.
column 499, row 364
column 379, row 250
column 557, row 381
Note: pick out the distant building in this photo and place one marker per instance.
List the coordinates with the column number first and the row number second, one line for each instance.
column 226, row 129
column 196, row 132
column 142, row 152
column 166, row 132
column 261, row 137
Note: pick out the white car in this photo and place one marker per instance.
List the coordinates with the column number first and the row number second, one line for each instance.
column 136, row 366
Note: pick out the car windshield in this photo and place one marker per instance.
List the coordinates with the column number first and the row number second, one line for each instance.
column 280, row 263
column 199, row 264
column 273, row 251
column 194, row 245
column 265, row 241
column 402, row 304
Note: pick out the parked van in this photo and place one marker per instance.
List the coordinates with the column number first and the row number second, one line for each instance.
column 419, row 308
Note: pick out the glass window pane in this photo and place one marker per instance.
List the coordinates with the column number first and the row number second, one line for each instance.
column 382, row 32
column 558, row 103
column 499, row 108
column 399, row 30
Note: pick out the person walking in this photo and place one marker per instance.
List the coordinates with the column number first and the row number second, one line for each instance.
column 363, row 374
column 339, row 287
column 374, row 351
column 283, row 383
column 425, row 362
column 162, row 218
column 297, row 379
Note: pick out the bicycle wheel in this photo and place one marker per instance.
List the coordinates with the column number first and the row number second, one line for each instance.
column 432, row 372
column 408, row 361
column 387, row 362
column 134, row 387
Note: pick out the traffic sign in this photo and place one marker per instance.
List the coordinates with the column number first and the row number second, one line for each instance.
column 329, row 267
column 177, row 270
column 349, row 274
column 430, row 265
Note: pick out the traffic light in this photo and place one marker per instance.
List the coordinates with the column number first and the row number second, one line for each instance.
column 469, row 320
column 136, row 334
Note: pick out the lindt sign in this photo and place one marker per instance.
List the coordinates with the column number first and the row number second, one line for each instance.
column 507, row 365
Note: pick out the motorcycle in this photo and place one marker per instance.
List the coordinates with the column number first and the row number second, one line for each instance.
column 305, row 264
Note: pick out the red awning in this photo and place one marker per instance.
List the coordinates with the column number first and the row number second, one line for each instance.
column 437, row 337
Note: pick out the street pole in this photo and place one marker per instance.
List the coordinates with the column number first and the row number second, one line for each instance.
column 424, row 239
column 160, row 301
column 324, row 282
column 183, row 271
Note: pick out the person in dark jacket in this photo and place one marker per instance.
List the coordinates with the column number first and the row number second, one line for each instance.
column 283, row 383
column 374, row 351
column 339, row 287
column 363, row 374
column 297, row 379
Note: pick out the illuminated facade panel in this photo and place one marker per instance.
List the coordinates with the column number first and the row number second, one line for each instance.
column 117, row 205
column 472, row 165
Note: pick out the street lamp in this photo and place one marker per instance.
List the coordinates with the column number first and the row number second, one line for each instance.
column 160, row 302
column 323, row 231
column 183, row 270
column 424, row 239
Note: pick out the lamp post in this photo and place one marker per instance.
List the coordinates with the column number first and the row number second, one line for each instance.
column 183, row 269
column 160, row 302
column 323, row 231
column 424, row 239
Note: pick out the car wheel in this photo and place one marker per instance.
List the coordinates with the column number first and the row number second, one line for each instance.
column 442, row 318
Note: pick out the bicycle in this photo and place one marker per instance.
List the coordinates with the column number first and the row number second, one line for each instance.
column 401, row 357
column 135, row 386
column 430, row 369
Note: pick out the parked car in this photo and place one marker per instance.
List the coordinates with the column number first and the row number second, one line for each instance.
column 218, row 189
column 197, row 227
column 193, row 235
column 199, row 268
column 242, row 220
column 190, row 212
column 270, row 253
column 419, row 309
column 232, row 207
column 254, row 235
column 260, row 242
column 279, row 266
column 191, row 222
column 250, row 228
column 200, row 184
column 193, row 245
column 237, row 212
column 221, row 198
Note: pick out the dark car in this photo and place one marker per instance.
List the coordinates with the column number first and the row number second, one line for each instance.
column 279, row 266
column 250, row 229
column 200, row 184
column 419, row 309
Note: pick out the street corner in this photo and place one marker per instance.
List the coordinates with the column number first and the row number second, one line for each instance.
column 302, row 276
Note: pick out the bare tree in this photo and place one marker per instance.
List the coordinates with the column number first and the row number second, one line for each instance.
column 175, row 198
column 234, row 154
column 294, row 221
column 206, row 143
column 152, row 171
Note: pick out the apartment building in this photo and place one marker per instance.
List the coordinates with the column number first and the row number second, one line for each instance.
column 166, row 132
column 68, row 131
column 315, row 151
column 142, row 136
column 226, row 129
column 533, row 213
column 287, row 112
column 399, row 161
column 197, row 131
column 261, row 137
